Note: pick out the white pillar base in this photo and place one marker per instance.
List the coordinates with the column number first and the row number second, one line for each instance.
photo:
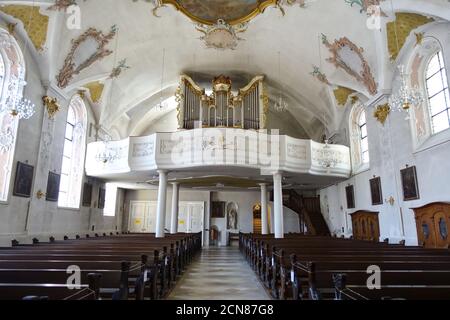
column 161, row 207
column 175, row 208
column 278, row 205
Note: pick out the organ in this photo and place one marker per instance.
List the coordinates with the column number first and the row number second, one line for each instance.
column 246, row 110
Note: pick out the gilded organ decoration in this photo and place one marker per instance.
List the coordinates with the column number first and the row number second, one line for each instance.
column 246, row 109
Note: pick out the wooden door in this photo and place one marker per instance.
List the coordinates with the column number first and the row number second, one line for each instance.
column 433, row 225
column 366, row 226
column 441, row 223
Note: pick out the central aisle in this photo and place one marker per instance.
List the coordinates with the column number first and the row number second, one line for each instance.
column 219, row 274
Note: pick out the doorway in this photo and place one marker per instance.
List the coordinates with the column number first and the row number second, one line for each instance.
column 143, row 217
column 257, row 225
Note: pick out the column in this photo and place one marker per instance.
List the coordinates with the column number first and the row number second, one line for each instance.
column 161, row 208
column 278, row 205
column 264, row 211
column 175, row 207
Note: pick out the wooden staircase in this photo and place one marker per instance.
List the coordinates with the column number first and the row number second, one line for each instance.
column 308, row 210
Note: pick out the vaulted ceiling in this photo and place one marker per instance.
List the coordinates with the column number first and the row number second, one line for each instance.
column 126, row 102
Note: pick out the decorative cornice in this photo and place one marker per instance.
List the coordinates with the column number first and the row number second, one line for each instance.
column 34, row 23
column 401, row 28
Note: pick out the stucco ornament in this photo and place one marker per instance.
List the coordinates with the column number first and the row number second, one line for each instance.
column 91, row 44
column 6, row 140
column 221, row 36
column 349, row 57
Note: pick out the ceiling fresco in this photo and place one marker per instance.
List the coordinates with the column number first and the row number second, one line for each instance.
column 231, row 11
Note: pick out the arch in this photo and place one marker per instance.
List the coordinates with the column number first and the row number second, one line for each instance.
column 438, row 95
column 11, row 89
column 359, row 137
column 423, row 131
column 73, row 155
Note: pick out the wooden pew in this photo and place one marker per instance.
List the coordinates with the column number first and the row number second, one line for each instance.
column 122, row 260
column 299, row 267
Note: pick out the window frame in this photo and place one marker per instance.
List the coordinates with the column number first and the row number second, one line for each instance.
column 357, row 138
column 81, row 117
column 446, row 88
column 20, row 69
column 363, row 138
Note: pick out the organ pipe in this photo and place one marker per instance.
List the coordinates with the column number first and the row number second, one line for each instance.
column 222, row 108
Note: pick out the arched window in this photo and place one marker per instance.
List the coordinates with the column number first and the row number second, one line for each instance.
column 359, row 139
column 438, row 93
column 12, row 76
column 363, row 139
column 74, row 155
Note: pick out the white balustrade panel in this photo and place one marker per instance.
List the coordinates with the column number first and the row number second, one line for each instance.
column 220, row 147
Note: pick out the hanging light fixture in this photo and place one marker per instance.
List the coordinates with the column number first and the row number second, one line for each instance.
column 15, row 104
column 406, row 97
column 161, row 105
column 280, row 105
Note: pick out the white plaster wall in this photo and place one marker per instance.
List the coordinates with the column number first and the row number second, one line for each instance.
column 26, row 218
column 391, row 148
column 244, row 200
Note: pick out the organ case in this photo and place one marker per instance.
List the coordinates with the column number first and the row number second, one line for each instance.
column 246, row 110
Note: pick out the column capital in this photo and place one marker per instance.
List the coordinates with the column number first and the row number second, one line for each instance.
column 164, row 172
column 175, row 184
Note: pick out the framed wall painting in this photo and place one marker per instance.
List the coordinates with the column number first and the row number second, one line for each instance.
column 409, row 184
column 53, row 187
column 376, row 191
column 218, row 209
column 101, row 198
column 87, row 195
column 350, row 195
column 24, row 180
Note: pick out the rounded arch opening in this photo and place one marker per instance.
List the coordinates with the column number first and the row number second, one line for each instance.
column 12, row 82
column 73, row 158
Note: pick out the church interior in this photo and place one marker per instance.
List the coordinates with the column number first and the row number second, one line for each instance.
column 224, row 150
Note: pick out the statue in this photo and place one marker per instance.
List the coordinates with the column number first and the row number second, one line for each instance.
column 232, row 216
